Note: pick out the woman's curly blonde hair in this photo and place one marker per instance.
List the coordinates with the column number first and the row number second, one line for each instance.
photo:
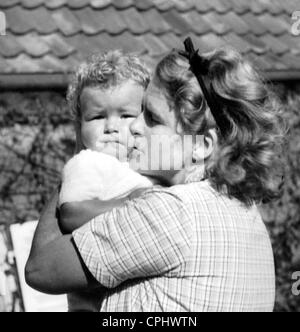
column 246, row 162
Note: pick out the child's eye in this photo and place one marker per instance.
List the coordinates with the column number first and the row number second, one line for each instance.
column 127, row 116
column 98, row 117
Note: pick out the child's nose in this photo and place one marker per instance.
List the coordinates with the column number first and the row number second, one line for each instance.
column 112, row 125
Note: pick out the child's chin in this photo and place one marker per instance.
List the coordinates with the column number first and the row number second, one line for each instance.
column 118, row 152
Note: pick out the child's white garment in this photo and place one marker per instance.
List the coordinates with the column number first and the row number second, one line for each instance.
column 95, row 175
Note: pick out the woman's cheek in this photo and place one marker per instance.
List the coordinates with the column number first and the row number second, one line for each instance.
column 126, row 127
column 177, row 152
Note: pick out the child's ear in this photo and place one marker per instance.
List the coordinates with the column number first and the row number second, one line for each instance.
column 204, row 148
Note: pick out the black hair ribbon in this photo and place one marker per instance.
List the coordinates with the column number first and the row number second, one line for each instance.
column 199, row 67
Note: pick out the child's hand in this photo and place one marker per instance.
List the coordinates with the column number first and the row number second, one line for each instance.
column 75, row 214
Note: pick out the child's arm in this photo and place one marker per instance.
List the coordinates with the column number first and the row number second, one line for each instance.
column 76, row 214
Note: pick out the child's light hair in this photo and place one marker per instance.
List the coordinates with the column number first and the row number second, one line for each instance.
column 246, row 161
column 105, row 70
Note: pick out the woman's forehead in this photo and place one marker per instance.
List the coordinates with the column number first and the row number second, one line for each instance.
column 154, row 95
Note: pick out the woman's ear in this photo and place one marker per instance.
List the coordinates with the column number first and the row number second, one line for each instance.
column 211, row 141
column 204, row 147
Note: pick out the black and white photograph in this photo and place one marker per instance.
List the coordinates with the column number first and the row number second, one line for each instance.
column 149, row 158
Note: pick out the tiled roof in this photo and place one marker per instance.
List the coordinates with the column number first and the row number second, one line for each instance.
column 53, row 36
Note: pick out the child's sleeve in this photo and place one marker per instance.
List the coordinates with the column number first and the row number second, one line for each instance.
column 94, row 175
column 80, row 180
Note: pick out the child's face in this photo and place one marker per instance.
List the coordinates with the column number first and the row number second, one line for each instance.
column 107, row 116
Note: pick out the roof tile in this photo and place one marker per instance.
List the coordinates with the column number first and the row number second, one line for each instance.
column 257, row 6
column 154, row 45
column 72, row 62
column 184, row 6
column 209, row 42
column 90, row 22
column 237, row 43
column 83, row 45
column 235, row 23
column 102, row 42
column 32, row 3
column 198, row 22
column 33, row 45
column 77, row 4
column 164, row 5
column 23, row 64
column 18, row 21
column 121, row 4
column 21, row 21
column 290, row 6
column 5, row 67
column 58, row 45
column 147, row 4
column 275, row 61
column 216, row 23
column 8, row 3
column 135, row 22
column 99, row 3
column 255, row 25
column 275, row 7
column 66, row 22
column 275, row 44
column 42, row 21
column 105, row 42
column 129, row 43
column 220, row 6
column 273, row 24
column 172, row 41
column 259, row 62
column 55, row 3
column 290, row 60
column 9, row 47
column 292, row 42
column 51, row 64
column 177, row 22
column 239, row 6
column 202, row 6
column 156, row 22
column 55, row 35
column 101, row 20
column 256, row 44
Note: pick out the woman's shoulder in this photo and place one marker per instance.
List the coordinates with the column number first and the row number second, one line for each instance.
column 202, row 196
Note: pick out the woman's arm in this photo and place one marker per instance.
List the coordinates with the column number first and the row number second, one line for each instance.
column 55, row 265
column 75, row 214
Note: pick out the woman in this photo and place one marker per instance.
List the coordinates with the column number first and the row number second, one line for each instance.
column 199, row 245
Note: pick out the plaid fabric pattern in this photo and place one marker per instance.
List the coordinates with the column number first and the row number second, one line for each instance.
column 184, row 248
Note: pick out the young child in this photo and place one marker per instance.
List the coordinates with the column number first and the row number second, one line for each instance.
column 105, row 97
